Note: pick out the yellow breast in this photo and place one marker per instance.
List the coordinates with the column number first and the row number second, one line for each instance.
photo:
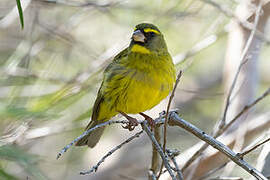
column 144, row 89
column 136, row 85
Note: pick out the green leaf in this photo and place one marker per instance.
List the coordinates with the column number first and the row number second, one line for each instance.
column 20, row 12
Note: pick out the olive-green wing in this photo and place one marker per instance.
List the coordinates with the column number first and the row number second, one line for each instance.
column 100, row 96
column 92, row 138
column 116, row 59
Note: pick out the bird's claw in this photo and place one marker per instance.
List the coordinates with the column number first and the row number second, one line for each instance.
column 149, row 120
column 131, row 124
column 129, row 127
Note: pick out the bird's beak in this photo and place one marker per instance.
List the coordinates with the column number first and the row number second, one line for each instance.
column 138, row 36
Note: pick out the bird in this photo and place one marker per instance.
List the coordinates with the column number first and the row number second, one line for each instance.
column 136, row 80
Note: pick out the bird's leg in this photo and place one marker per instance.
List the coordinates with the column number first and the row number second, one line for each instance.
column 150, row 121
column 132, row 121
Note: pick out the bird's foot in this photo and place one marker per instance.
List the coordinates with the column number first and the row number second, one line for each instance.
column 132, row 122
column 149, row 120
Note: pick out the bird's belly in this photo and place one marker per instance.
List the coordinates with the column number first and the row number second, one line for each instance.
column 142, row 96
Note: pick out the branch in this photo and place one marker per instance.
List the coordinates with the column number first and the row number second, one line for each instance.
column 168, row 109
column 245, row 109
column 85, row 133
column 242, row 62
column 175, row 120
column 166, row 118
column 221, row 131
column 214, row 158
column 95, row 168
column 155, row 157
column 253, row 148
column 172, row 154
column 163, row 155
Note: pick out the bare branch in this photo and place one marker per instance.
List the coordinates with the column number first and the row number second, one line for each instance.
column 95, row 168
column 172, row 154
column 168, row 109
column 155, row 156
column 163, row 155
column 86, row 133
column 221, row 131
column 175, row 120
column 243, row 60
column 253, row 148
column 166, row 118
column 245, row 109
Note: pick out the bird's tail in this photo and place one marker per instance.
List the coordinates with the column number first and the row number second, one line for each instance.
column 92, row 138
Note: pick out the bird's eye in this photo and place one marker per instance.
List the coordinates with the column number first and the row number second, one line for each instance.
column 152, row 33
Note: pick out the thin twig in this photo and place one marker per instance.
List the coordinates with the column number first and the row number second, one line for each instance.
column 166, row 118
column 175, row 120
column 86, row 133
column 253, row 148
column 242, row 62
column 95, row 168
column 172, row 154
column 245, row 109
column 163, row 155
column 155, row 156
column 168, row 109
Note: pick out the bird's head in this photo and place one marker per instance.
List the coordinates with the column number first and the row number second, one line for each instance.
column 147, row 39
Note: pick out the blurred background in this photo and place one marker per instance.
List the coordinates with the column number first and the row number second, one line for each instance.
column 51, row 70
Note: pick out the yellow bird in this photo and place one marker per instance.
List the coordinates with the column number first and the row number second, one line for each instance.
column 138, row 78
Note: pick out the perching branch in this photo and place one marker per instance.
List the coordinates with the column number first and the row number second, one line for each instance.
column 175, row 120
column 221, row 131
column 85, row 133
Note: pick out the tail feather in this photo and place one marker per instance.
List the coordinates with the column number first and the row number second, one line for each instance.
column 92, row 138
